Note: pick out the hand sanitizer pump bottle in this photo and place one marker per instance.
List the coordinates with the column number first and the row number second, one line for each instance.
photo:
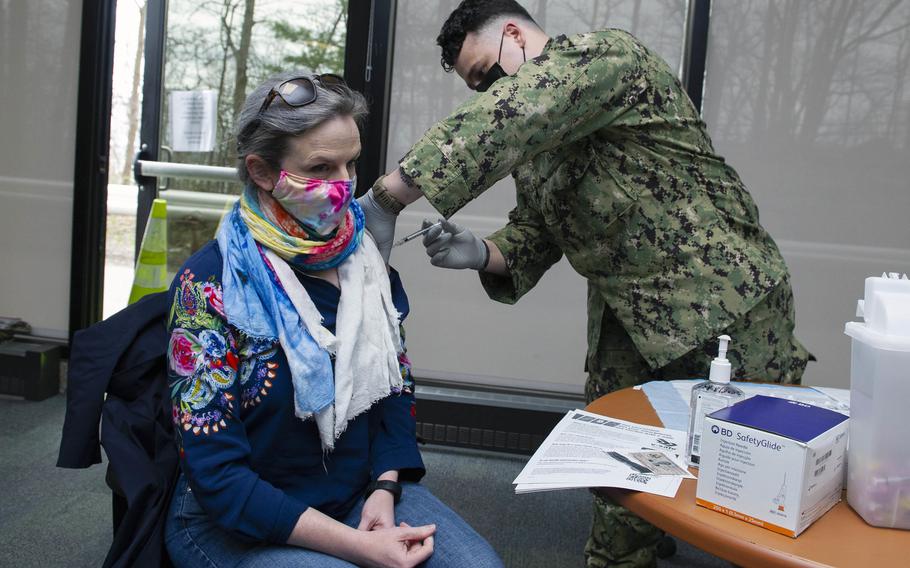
column 708, row 396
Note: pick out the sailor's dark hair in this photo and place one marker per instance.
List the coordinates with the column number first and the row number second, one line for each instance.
column 471, row 16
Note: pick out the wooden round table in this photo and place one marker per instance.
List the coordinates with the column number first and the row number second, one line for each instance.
column 840, row 538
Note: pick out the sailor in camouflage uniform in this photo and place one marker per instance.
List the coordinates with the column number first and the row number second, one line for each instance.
column 615, row 170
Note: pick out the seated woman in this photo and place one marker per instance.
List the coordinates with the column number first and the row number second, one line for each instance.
column 292, row 395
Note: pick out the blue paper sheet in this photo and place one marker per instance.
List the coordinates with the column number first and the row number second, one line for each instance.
column 672, row 410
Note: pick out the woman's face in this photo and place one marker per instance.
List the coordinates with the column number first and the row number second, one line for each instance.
column 329, row 151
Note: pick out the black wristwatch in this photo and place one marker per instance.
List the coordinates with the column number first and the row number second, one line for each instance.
column 392, row 487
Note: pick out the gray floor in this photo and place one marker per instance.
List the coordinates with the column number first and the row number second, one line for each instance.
column 55, row 517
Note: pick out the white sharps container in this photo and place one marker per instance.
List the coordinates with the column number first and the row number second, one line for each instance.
column 878, row 466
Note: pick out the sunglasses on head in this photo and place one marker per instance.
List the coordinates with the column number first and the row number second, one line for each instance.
column 300, row 91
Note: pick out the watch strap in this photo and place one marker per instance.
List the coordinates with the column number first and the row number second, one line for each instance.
column 385, row 199
column 392, row 487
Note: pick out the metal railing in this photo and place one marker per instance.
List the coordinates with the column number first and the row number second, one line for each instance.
column 182, row 202
column 187, row 171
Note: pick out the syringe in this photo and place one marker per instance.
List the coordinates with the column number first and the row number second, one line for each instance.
column 416, row 234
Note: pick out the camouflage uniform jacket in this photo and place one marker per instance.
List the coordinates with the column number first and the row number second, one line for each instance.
column 613, row 168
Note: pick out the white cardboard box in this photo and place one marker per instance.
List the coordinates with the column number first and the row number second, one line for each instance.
column 775, row 463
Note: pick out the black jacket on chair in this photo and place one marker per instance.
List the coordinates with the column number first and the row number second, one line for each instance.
column 125, row 357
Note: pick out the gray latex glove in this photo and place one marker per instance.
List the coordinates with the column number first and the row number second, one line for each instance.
column 380, row 223
column 453, row 246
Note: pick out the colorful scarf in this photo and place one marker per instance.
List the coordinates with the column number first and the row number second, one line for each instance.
column 264, row 300
column 366, row 342
column 291, row 241
column 255, row 304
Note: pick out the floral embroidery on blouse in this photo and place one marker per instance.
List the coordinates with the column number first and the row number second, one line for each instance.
column 191, row 301
column 202, row 358
column 256, row 370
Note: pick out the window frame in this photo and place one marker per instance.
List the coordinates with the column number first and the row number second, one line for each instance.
column 369, row 54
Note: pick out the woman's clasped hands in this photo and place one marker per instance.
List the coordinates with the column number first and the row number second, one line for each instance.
column 388, row 546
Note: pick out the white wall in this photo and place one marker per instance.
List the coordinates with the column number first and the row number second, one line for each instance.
column 810, row 102
column 835, row 194
column 39, row 61
column 830, row 175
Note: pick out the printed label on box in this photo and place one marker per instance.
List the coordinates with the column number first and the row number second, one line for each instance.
column 779, row 482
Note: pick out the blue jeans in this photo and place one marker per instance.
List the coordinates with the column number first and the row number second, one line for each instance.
column 194, row 541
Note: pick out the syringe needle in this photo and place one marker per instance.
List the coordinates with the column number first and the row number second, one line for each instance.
column 415, row 234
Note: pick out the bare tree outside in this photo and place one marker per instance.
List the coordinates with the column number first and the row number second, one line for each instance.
column 226, row 46
column 231, row 45
column 812, row 70
column 319, row 49
column 241, row 55
column 136, row 97
column 810, row 101
column 797, row 91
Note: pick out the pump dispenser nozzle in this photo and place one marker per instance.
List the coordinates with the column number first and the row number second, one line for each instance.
column 720, row 367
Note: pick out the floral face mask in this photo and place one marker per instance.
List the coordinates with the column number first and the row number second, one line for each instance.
column 320, row 204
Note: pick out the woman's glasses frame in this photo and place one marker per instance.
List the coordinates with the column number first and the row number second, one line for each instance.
column 300, row 91
column 305, row 90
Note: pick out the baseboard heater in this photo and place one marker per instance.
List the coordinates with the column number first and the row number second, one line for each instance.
column 495, row 419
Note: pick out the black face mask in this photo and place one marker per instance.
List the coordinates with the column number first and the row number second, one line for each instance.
column 495, row 72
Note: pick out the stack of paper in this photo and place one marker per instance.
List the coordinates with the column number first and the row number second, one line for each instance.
column 590, row 450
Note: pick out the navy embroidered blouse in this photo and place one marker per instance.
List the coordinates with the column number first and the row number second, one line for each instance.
column 252, row 465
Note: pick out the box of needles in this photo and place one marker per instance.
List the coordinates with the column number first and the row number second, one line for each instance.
column 775, row 463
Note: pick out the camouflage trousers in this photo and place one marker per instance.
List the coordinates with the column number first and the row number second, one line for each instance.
column 763, row 349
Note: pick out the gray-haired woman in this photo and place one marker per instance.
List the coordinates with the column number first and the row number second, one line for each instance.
column 292, row 394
